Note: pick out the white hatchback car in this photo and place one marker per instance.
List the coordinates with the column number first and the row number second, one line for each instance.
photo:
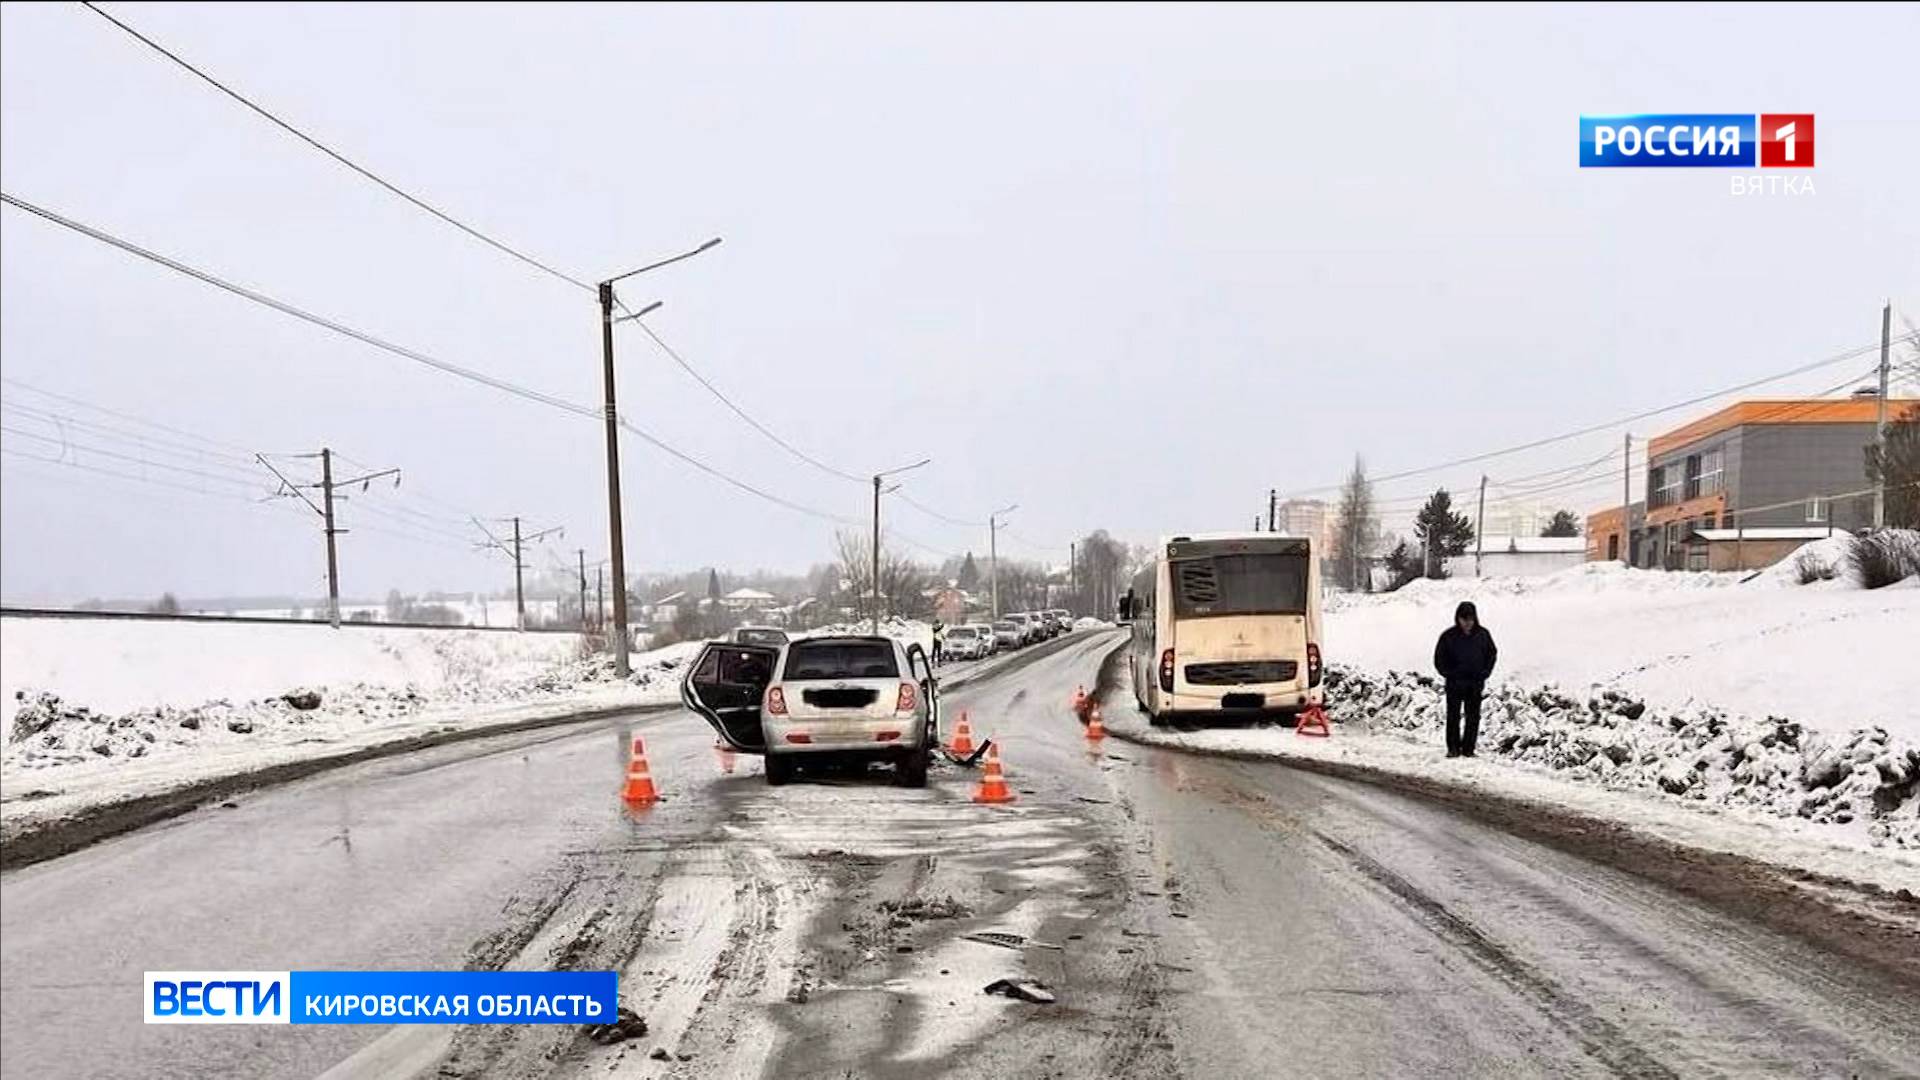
column 820, row 699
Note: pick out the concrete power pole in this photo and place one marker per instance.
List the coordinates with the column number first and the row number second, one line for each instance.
column 1273, row 506
column 583, row 588
column 1626, row 500
column 333, row 557
column 599, row 598
column 326, row 487
column 1880, row 420
column 519, row 564
column 1073, row 571
column 1480, row 528
column 993, row 553
column 874, row 581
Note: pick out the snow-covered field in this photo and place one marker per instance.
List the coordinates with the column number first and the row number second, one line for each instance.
column 103, row 710
column 1829, row 655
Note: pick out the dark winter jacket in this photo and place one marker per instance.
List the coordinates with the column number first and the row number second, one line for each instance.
column 1465, row 660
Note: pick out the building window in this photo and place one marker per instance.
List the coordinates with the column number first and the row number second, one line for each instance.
column 1666, row 483
column 1712, row 471
column 1692, row 487
column 1817, row 510
column 1709, row 520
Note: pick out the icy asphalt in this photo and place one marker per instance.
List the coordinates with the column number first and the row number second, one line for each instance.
column 1195, row 917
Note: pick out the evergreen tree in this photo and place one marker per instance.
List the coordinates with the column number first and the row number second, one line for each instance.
column 1442, row 531
column 969, row 577
column 713, row 584
column 1563, row 524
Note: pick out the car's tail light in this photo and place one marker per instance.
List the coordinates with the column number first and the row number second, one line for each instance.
column 777, row 702
column 1166, row 672
column 885, row 736
column 800, row 737
column 1313, row 664
column 905, row 704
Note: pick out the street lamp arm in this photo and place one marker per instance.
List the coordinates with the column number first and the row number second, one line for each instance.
column 664, row 262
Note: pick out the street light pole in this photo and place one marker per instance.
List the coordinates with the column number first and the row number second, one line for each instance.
column 993, row 553
column 621, row 664
column 875, row 580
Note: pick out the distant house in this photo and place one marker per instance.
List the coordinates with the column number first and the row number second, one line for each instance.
column 664, row 610
column 951, row 604
column 742, row 601
column 1518, row 556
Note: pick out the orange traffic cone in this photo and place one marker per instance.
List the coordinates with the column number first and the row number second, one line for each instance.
column 962, row 745
column 639, row 786
column 993, row 786
column 1095, row 729
column 726, row 757
column 1313, row 721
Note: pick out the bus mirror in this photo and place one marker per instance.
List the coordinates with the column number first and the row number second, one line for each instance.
column 1126, row 605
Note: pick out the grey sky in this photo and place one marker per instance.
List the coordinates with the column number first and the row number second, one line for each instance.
column 1126, row 267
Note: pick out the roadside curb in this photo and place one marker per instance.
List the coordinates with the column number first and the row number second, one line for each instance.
column 27, row 843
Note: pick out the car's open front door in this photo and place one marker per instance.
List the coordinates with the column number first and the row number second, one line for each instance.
column 726, row 685
column 922, row 669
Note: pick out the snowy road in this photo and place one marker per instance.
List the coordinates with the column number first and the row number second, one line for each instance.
column 1196, row 917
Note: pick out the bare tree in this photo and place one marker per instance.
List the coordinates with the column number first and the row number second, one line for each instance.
column 1358, row 532
column 903, row 583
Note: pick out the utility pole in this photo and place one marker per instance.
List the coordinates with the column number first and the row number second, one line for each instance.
column 599, row 598
column 519, row 564
column 583, row 588
column 1273, row 506
column 876, row 532
column 1880, row 421
column 993, row 553
column 1073, row 570
column 326, row 488
column 333, row 556
column 621, row 665
column 1480, row 528
column 1626, row 500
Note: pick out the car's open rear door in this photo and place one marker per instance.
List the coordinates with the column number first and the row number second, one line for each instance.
column 725, row 686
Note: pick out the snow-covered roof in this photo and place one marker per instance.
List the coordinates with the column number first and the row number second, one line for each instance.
column 1534, row 545
column 749, row 594
column 672, row 598
column 1785, row 532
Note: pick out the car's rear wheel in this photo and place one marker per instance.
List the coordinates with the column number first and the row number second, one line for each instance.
column 779, row 769
column 912, row 770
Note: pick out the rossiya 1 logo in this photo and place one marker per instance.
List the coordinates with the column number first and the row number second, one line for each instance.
column 1697, row 141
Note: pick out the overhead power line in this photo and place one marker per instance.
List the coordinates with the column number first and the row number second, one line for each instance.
column 1591, row 429
column 471, row 231
column 369, row 174
column 416, row 356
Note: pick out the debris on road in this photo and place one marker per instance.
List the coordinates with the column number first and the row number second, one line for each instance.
column 923, row 909
column 302, row 699
column 627, row 1024
column 1021, row 990
column 995, row 937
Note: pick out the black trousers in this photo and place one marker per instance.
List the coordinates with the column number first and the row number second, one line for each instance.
column 1463, row 697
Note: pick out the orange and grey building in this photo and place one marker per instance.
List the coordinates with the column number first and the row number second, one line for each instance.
column 1742, row 487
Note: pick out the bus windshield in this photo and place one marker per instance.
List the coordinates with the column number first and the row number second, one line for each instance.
column 1240, row 584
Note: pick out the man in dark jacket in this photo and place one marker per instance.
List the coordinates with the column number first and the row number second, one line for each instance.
column 1464, row 657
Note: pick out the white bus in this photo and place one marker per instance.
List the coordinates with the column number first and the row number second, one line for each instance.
column 1226, row 623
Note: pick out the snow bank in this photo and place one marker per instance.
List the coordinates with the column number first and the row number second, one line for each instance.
column 1705, row 754
column 1830, row 655
column 118, row 665
column 100, row 711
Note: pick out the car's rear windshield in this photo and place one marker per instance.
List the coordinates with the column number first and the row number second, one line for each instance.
column 1003, row 626
column 963, row 631
column 841, row 660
